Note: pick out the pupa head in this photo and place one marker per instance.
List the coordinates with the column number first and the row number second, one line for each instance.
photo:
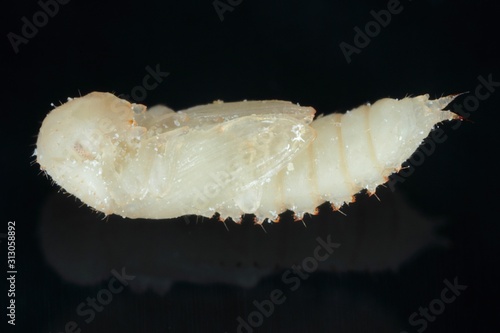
column 81, row 144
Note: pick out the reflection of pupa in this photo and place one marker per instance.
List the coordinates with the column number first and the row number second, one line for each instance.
column 374, row 236
column 259, row 157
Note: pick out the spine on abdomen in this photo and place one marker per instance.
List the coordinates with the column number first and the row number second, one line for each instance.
column 339, row 163
column 245, row 157
column 353, row 151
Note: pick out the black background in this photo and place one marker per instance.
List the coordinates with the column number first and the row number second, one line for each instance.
column 262, row 50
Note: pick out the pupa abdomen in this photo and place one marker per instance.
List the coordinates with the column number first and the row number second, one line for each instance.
column 250, row 157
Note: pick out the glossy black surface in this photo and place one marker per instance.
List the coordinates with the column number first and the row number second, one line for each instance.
column 189, row 275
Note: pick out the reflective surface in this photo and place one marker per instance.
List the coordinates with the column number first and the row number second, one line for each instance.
column 423, row 258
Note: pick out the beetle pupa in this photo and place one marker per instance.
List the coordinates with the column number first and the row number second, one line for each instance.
column 255, row 157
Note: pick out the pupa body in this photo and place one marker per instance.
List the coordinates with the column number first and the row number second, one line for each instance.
column 250, row 157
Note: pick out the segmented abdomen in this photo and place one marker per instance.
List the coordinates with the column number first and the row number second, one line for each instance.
column 353, row 151
column 259, row 157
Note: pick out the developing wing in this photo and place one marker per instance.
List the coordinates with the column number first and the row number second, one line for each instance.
column 249, row 141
